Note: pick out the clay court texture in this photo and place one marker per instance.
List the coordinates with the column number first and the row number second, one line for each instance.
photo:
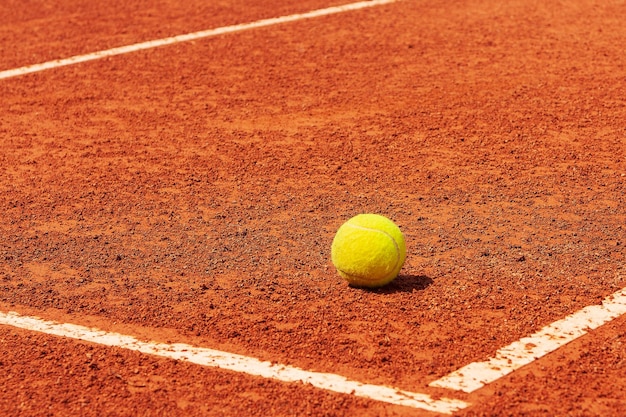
column 168, row 203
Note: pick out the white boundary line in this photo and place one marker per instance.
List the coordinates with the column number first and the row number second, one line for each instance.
column 236, row 363
column 188, row 37
column 526, row 350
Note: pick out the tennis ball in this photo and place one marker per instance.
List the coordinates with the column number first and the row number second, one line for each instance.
column 368, row 250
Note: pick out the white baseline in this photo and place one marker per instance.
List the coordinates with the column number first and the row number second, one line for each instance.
column 236, row 363
column 526, row 350
column 188, row 37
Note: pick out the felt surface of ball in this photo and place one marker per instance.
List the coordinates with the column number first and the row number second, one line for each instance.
column 368, row 250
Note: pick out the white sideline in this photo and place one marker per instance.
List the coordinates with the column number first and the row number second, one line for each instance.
column 188, row 37
column 236, row 363
column 526, row 350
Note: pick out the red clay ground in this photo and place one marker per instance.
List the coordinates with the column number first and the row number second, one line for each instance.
column 190, row 194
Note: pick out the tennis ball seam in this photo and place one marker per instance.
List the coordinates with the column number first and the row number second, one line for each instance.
column 395, row 244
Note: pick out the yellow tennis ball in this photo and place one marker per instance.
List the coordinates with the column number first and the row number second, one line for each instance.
column 368, row 250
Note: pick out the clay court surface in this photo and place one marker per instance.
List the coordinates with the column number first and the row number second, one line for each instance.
column 189, row 194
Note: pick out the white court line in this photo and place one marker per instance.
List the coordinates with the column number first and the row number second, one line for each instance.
column 476, row 375
column 188, row 37
column 237, row 363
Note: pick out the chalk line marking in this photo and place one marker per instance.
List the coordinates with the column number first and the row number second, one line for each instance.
column 188, row 37
column 476, row 375
column 236, row 363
